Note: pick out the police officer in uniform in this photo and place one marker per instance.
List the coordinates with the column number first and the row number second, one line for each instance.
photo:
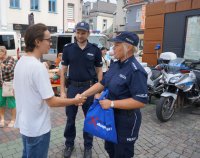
column 84, row 63
column 126, row 81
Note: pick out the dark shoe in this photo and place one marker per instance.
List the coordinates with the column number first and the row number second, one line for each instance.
column 87, row 153
column 68, row 152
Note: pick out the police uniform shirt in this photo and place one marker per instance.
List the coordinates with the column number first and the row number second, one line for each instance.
column 82, row 63
column 125, row 80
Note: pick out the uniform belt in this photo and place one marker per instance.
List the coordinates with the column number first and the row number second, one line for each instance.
column 81, row 84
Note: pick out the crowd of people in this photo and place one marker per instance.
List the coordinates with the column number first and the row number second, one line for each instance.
column 90, row 70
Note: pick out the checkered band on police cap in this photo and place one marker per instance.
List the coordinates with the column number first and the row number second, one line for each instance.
column 82, row 26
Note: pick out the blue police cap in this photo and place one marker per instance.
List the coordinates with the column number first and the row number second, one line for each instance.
column 128, row 37
column 82, row 26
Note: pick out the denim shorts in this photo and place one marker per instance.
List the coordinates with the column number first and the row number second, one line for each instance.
column 36, row 147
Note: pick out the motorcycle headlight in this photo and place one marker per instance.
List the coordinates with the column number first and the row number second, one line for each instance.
column 174, row 79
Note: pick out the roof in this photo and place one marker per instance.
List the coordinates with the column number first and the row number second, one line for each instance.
column 136, row 2
column 104, row 7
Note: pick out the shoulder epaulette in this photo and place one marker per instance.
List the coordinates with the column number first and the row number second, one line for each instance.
column 94, row 44
column 68, row 44
column 133, row 66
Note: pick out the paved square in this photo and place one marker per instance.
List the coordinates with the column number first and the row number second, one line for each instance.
column 177, row 138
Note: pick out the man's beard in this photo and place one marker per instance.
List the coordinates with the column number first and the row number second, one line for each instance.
column 82, row 41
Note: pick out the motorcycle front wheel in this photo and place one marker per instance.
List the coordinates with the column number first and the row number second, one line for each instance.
column 164, row 112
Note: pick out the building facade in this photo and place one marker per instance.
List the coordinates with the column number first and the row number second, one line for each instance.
column 99, row 15
column 135, row 15
column 72, row 13
column 175, row 25
column 119, row 17
column 18, row 14
column 130, row 16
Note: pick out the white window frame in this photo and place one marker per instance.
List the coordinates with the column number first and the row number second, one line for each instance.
column 51, row 6
column 105, row 24
column 138, row 15
column 33, row 2
column 70, row 11
column 13, row 3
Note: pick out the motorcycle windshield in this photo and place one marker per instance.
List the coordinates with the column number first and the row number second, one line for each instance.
column 176, row 65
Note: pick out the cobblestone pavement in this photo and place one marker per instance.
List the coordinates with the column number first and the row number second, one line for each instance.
column 178, row 138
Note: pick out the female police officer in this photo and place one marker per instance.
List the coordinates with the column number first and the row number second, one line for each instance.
column 126, row 81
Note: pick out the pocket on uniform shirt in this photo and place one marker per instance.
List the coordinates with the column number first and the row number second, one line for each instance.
column 90, row 58
column 120, row 84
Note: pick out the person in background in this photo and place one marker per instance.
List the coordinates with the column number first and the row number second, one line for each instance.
column 126, row 81
column 110, row 53
column 7, row 64
column 105, row 61
column 84, row 62
column 58, row 59
column 34, row 94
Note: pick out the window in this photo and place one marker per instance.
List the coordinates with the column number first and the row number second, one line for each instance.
column 52, row 6
column 34, row 4
column 138, row 15
column 7, row 41
column 91, row 24
column 101, row 41
column 14, row 3
column 125, row 2
column 88, row 10
column 104, row 24
column 70, row 11
column 192, row 46
column 125, row 20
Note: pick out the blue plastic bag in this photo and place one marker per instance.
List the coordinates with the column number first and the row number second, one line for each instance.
column 100, row 122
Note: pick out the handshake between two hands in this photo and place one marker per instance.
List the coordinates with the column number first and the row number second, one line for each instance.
column 105, row 104
column 80, row 99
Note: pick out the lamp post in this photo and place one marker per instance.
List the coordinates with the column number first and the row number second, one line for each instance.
column 31, row 19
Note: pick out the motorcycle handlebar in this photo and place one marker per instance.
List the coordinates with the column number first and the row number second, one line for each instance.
column 196, row 62
column 193, row 64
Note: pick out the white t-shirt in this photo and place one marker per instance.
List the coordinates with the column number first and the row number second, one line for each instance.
column 32, row 86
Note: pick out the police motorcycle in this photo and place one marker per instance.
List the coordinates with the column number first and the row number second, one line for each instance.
column 182, row 85
column 154, row 81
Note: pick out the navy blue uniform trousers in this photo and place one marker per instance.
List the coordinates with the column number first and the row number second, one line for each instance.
column 71, row 111
column 127, row 126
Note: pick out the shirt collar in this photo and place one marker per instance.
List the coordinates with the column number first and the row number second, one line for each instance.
column 125, row 62
column 87, row 46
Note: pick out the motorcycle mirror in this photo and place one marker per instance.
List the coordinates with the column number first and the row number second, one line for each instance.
column 159, row 67
column 157, row 47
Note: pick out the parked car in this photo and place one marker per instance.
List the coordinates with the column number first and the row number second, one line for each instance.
column 100, row 40
column 10, row 41
column 59, row 40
